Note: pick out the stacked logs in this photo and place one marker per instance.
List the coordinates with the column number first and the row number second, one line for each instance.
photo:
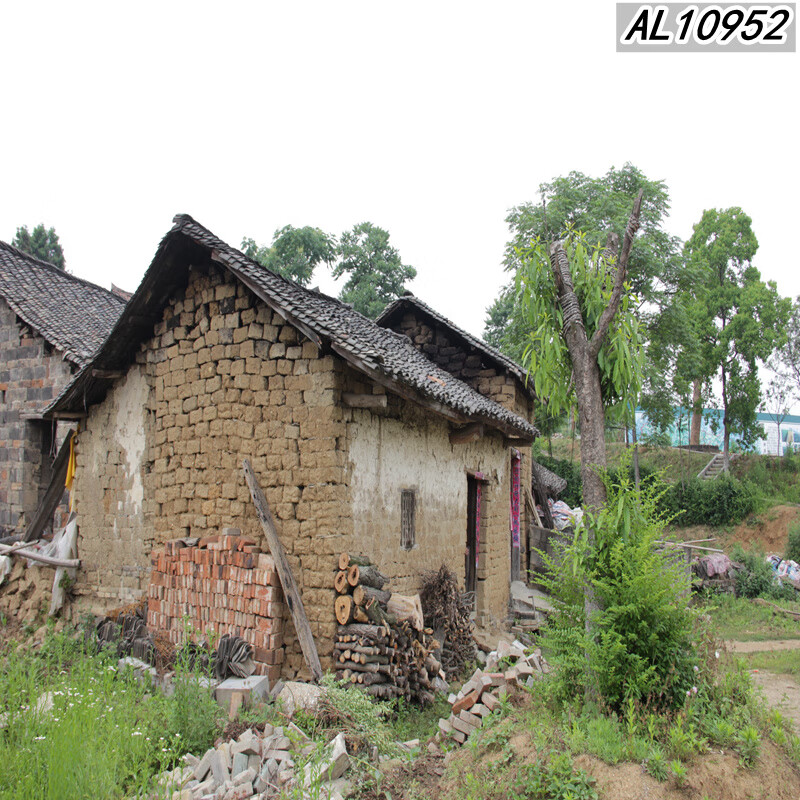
column 381, row 643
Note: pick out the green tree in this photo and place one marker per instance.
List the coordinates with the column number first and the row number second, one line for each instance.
column 375, row 272
column 42, row 243
column 597, row 207
column 787, row 358
column 738, row 319
column 294, row 252
column 583, row 349
column 583, row 344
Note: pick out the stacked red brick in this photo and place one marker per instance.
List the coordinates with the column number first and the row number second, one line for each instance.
column 222, row 584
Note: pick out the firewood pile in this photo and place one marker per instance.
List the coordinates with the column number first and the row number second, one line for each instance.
column 447, row 611
column 382, row 643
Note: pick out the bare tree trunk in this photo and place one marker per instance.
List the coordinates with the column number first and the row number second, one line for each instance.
column 726, row 438
column 697, row 414
column 636, row 477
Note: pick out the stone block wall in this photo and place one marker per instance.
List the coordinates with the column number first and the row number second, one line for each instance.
column 222, row 585
column 32, row 373
column 225, row 378
column 464, row 362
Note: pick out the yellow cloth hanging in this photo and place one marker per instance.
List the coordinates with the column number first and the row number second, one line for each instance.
column 71, row 465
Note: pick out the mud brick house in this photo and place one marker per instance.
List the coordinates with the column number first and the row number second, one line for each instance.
column 51, row 323
column 360, row 441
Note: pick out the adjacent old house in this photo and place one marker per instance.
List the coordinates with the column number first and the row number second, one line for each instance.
column 51, row 323
column 362, row 442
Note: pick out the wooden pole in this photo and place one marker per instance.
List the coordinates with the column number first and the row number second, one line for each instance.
column 290, row 590
column 53, row 495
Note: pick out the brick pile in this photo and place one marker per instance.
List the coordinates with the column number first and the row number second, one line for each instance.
column 220, row 584
column 484, row 691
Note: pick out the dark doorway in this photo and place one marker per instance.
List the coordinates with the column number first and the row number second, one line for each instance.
column 473, row 523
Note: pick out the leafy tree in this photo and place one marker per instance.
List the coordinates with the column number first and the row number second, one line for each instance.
column 376, row 274
column 597, row 207
column 738, row 319
column 583, row 344
column 778, row 399
column 787, row 358
column 42, row 243
column 294, row 253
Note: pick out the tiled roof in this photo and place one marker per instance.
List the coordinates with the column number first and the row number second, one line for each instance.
column 73, row 315
column 409, row 301
column 381, row 353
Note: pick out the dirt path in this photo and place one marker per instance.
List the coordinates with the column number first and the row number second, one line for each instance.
column 763, row 647
column 782, row 691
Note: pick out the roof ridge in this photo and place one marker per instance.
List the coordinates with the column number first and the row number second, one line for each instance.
column 56, row 270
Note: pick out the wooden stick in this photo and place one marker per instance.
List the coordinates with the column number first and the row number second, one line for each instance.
column 363, row 593
column 52, row 497
column 795, row 614
column 290, row 590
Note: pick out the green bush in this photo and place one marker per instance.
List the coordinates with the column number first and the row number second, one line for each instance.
column 757, row 578
column 641, row 642
column 793, row 543
column 718, row 502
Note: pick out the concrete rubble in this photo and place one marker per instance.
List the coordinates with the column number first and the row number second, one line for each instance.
column 261, row 765
column 506, row 669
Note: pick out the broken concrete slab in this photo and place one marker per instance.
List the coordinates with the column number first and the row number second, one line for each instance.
column 256, row 687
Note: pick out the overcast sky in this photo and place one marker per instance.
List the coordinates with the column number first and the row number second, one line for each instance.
column 428, row 119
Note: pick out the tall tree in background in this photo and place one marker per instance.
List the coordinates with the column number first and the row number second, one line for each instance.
column 583, row 343
column 787, row 358
column 375, row 272
column 294, row 252
column 597, row 207
column 42, row 243
column 738, row 319
column 779, row 396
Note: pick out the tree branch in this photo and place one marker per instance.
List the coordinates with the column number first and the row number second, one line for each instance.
column 619, row 279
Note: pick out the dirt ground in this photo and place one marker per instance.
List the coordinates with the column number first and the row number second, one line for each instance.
column 767, row 531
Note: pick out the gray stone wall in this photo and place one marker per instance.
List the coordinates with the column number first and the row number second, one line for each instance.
column 31, row 375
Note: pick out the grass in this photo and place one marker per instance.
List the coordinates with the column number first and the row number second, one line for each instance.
column 676, row 463
column 781, row 662
column 741, row 620
column 105, row 736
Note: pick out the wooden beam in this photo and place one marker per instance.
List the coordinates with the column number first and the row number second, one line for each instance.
column 364, row 400
column 74, row 415
column 290, row 590
column 469, row 433
column 108, row 374
column 398, row 388
column 52, row 497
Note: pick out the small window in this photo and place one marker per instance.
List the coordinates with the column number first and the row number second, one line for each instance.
column 408, row 518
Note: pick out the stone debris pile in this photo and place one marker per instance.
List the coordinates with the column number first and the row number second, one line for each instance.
column 487, row 687
column 260, row 764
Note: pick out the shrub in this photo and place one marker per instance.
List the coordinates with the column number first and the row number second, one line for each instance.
column 641, row 642
column 723, row 501
column 757, row 577
column 793, row 543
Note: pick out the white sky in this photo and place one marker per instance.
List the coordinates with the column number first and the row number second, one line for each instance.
column 428, row 119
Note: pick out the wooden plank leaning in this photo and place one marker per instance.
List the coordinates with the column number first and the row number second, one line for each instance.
column 290, row 590
column 52, row 497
